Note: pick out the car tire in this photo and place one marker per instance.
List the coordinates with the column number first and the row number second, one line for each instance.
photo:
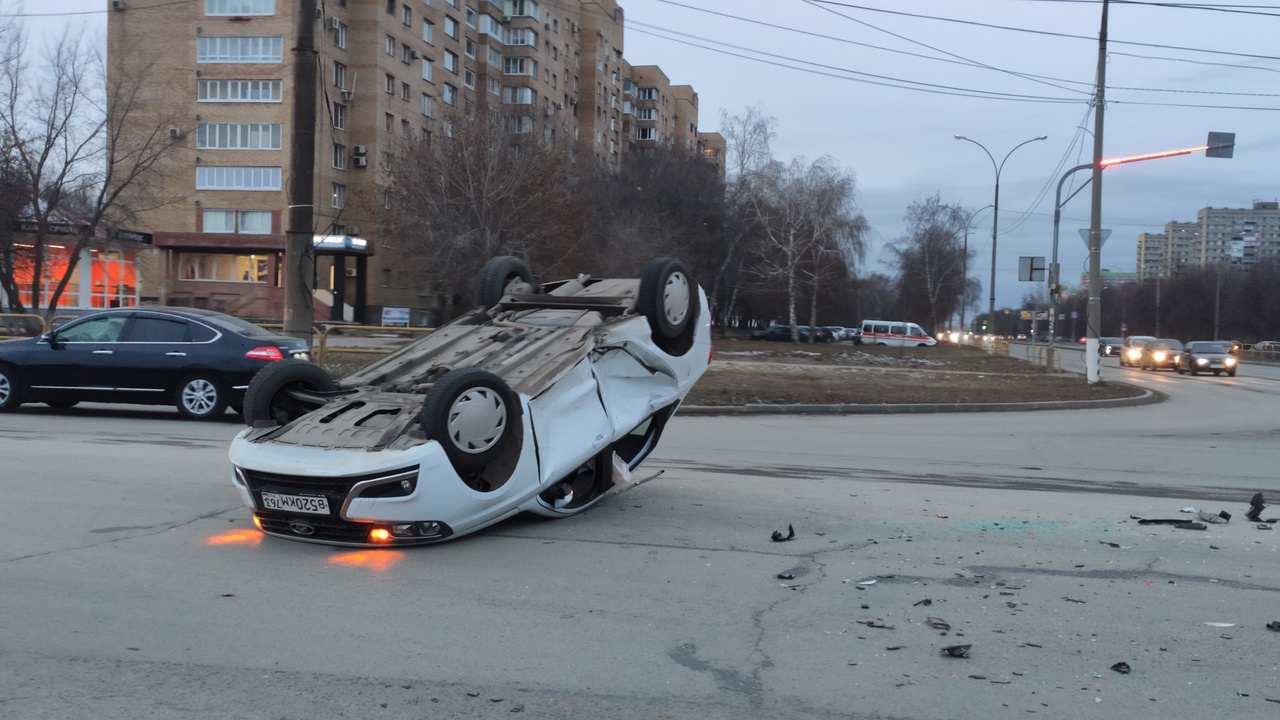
column 201, row 397
column 668, row 298
column 500, row 276
column 10, row 389
column 473, row 414
column 1231, row 373
column 1194, row 372
column 1182, row 371
column 269, row 400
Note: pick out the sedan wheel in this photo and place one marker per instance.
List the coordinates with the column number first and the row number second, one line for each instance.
column 10, row 392
column 473, row 414
column 200, row 397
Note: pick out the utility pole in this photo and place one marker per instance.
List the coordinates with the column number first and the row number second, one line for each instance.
column 299, row 253
column 1094, row 320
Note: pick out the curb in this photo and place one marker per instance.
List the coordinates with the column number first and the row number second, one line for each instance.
column 1148, row 397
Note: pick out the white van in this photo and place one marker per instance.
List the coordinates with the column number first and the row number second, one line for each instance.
column 894, row 332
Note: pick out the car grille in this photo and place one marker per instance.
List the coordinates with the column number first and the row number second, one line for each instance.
column 326, row 528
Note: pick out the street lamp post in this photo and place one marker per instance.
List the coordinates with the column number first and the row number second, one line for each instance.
column 995, row 215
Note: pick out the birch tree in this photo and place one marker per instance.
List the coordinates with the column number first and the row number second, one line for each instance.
column 930, row 260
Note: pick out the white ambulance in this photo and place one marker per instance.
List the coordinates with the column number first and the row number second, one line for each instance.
column 894, row 332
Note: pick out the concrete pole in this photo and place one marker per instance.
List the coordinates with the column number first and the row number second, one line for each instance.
column 1092, row 361
column 299, row 252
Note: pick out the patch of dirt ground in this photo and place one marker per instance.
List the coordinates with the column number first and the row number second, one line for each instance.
column 747, row 372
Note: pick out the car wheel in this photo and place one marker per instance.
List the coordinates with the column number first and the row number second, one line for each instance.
column 503, row 275
column 285, row 391
column 1231, row 373
column 471, row 412
column 668, row 299
column 62, row 404
column 201, row 397
column 10, row 389
column 1194, row 372
column 1182, row 371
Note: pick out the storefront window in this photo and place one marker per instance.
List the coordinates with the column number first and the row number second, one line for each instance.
column 225, row 268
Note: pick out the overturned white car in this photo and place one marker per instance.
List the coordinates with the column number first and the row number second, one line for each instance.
column 543, row 399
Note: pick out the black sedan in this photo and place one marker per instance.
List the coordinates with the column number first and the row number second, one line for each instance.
column 782, row 333
column 198, row 360
column 1206, row 356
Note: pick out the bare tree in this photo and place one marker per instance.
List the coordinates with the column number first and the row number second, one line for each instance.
column 76, row 145
column 931, row 262
column 747, row 137
column 807, row 216
column 479, row 191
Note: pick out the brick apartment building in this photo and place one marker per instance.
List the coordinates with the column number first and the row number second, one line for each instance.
column 218, row 75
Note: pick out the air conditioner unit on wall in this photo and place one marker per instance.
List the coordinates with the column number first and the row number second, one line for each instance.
column 346, row 96
column 414, row 54
column 334, row 23
column 361, row 161
column 175, row 133
column 359, row 149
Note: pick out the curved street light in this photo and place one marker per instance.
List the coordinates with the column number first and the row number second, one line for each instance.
column 995, row 217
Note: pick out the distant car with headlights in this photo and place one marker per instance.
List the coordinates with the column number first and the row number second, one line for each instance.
column 542, row 399
column 1206, row 356
column 1109, row 346
column 200, row 361
column 1131, row 349
column 1160, row 354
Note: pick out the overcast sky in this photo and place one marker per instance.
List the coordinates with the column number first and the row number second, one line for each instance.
column 883, row 86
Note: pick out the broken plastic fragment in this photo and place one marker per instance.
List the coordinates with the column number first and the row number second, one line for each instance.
column 937, row 623
column 926, row 601
column 1191, row 526
column 1222, row 517
column 1121, row 667
column 957, row 651
column 786, row 576
column 1188, row 510
column 1274, row 626
column 867, row 582
column 1104, row 542
column 779, row 537
column 1220, row 624
column 1161, row 521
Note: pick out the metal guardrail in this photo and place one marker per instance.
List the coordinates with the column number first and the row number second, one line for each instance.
column 323, row 348
column 10, row 322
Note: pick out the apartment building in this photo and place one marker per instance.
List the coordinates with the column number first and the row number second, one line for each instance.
column 390, row 73
column 1233, row 238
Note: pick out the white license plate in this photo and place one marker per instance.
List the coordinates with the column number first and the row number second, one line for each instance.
column 295, row 503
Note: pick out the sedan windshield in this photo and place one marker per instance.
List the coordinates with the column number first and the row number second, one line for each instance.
column 1206, row 347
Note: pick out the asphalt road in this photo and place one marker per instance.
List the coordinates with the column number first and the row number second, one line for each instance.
column 133, row 586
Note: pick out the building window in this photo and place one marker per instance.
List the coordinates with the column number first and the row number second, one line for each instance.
column 339, row 195
column 648, row 94
column 386, row 199
column 388, row 121
column 490, row 26
column 239, row 7
column 226, row 268
column 450, row 94
column 405, row 54
column 339, row 156
column 495, row 57
column 469, row 78
column 389, row 45
column 404, row 91
column 238, row 90
column 520, row 36
column 389, row 84
column 240, row 49
column 647, row 133
column 525, row 8
column 428, row 28
column 406, row 15
column 426, row 105
column 238, row 136
column 219, row 177
column 517, row 96
column 519, row 66
column 339, row 75
column 339, row 33
column 451, row 62
column 426, row 69
column 256, row 222
column 469, row 48
column 519, row 124
column 339, row 116
column 450, row 27
column 495, row 87
column 404, row 129
column 472, row 19
column 647, row 114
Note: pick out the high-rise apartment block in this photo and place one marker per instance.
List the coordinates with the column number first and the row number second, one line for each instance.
column 220, row 75
column 1233, row 238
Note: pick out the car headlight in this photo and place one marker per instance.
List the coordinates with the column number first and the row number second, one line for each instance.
column 1202, row 361
column 1134, row 354
column 1229, row 361
column 1158, row 356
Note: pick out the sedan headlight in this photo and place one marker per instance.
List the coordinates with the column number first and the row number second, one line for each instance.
column 1135, row 354
column 1229, row 362
column 1158, row 356
column 1202, row 361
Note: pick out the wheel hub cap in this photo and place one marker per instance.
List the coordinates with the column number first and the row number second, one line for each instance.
column 199, row 397
column 477, row 420
column 675, row 298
